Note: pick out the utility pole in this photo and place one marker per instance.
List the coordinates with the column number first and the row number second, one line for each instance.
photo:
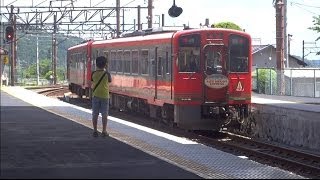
column 288, row 57
column 279, row 5
column 12, row 47
column 54, row 50
column 118, row 17
column 150, row 13
column 285, row 37
column 303, row 50
column 139, row 18
column 37, row 55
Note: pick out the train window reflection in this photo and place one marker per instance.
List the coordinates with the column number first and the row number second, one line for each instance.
column 135, row 60
column 239, row 64
column 238, row 54
column 144, row 61
column 213, row 62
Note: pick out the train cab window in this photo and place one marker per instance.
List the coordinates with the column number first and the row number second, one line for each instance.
column 135, row 62
column 189, row 59
column 213, row 61
column 238, row 54
column 127, row 61
column 119, row 62
column 144, row 61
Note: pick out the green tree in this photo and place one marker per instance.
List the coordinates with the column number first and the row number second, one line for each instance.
column 316, row 27
column 266, row 80
column 228, row 25
column 44, row 68
column 48, row 74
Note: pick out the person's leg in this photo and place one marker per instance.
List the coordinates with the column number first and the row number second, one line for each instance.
column 104, row 113
column 104, row 123
column 95, row 115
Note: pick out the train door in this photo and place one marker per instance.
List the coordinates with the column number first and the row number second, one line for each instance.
column 188, row 75
column 215, row 78
column 187, row 80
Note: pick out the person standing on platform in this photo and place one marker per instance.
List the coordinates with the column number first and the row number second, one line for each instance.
column 100, row 95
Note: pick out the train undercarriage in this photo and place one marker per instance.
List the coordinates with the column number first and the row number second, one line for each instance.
column 205, row 117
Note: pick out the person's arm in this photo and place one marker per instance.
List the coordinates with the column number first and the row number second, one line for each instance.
column 92, row 82
column 109, row 77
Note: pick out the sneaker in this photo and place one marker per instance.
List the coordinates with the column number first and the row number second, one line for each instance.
column 95, row 134
column 104, row 134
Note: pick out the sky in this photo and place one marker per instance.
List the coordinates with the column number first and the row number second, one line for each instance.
column 257, row 17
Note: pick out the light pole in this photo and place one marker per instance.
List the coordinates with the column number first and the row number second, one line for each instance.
column 288, row 54
column 38, row 71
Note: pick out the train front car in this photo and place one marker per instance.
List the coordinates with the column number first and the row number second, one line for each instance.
column 212, row 79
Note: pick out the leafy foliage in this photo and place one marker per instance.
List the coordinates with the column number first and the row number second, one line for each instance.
column 228, row 25
column 316, row 27
column 266, row 79
column 27, row 54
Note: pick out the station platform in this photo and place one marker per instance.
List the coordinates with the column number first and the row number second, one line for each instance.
column 293, row 102
column 42, row 137
column 288, row 120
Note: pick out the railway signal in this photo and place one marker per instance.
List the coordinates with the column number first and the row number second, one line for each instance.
column 9, row 33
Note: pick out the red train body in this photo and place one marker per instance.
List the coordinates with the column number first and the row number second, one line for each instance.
column 198, row 79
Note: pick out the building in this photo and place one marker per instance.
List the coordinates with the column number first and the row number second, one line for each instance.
column 298, row 79
column 264, row 56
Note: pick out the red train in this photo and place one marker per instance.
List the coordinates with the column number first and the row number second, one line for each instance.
column 197, row 79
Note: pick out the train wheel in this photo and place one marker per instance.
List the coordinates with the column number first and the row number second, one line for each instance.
column 79, row 93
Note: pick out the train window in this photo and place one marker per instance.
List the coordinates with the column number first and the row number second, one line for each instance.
column 190, row 40
column 189, row 59
column 238, row 54
column 167, row 63
column 119, row 61
column 213, row 61
column 144, row 61
column 83, row 60
column 135, row 61
column 126, row 61
column 113, row 57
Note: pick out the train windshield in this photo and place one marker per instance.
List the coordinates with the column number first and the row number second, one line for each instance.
column 238, row 54
column 213, row 59
column 189, row 53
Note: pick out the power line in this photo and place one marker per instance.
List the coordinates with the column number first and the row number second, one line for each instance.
column 305, row 5
column 299, row 5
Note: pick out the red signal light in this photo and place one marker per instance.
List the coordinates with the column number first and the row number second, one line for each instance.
column 9, row 33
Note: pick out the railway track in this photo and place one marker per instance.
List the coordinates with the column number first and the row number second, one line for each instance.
column 52, row 91
column 300, row 162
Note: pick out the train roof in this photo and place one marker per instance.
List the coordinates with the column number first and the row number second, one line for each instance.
column 154, row 34
column 83, row 45
column 149, row 34
column 161, row 33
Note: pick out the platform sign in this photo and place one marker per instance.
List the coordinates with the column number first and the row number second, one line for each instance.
column 5, row 59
